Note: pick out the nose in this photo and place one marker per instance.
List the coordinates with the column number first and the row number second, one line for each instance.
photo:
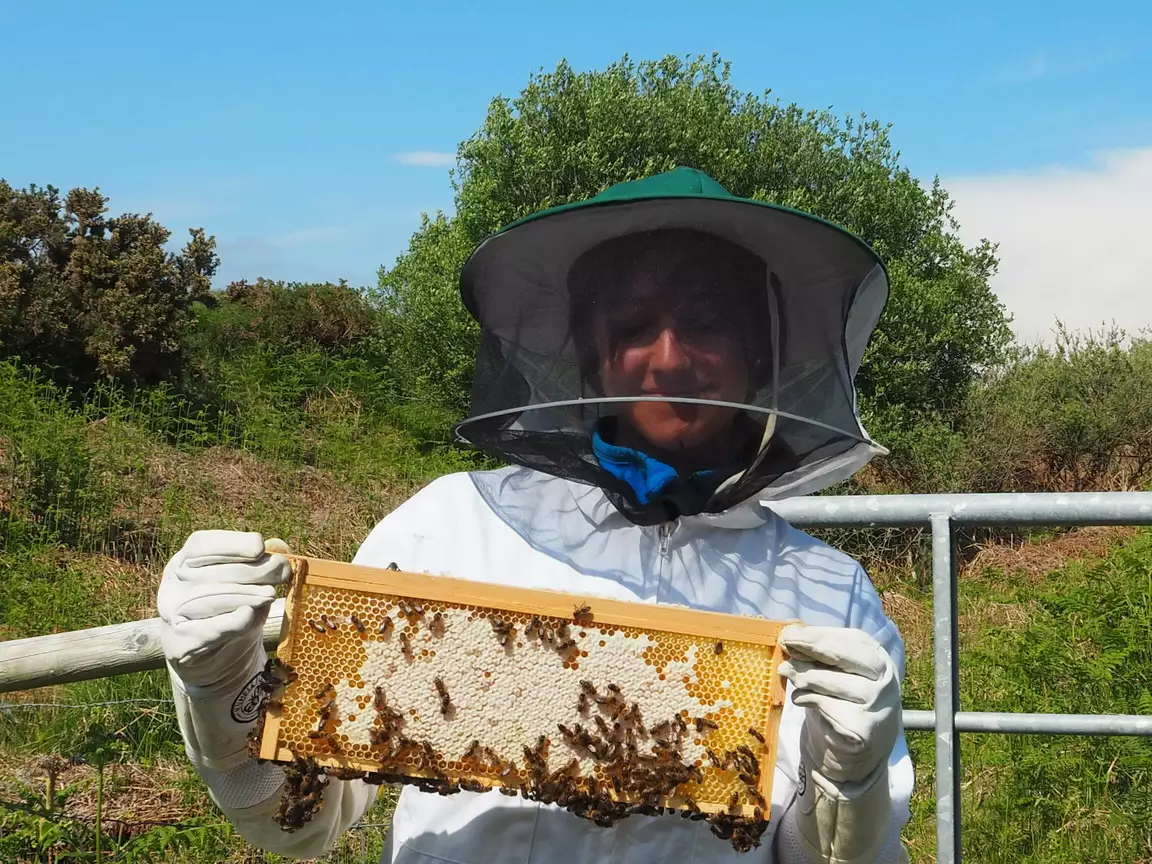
column 668, row 352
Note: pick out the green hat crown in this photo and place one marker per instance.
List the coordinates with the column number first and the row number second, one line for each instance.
column 678, row 183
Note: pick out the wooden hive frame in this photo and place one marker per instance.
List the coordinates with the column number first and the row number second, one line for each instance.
column 743, row 643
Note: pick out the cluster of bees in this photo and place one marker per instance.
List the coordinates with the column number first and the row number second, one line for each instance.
column 303, row 794
column 641, row 769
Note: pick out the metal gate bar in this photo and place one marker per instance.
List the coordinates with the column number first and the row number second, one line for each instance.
column 942, row 513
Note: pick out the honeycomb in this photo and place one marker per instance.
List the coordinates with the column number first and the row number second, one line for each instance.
column 464, row 685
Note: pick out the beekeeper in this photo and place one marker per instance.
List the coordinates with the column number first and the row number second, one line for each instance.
column 654, row 363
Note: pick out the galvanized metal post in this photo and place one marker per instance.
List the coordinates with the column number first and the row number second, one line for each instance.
column 947, row 670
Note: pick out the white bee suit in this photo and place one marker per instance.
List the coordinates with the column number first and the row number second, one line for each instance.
column 523, row 528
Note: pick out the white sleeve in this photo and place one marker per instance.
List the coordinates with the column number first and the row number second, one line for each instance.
column 790, row 849
column 344, row 803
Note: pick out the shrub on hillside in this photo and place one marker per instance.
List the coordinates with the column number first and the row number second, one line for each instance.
column 94, row 297
column 324, row 316
column 1075, row 416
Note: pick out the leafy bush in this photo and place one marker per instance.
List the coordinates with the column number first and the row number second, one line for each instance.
column 1076, row 416
column 317, row 316
column 93, row 297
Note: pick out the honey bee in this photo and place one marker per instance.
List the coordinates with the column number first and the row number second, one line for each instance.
column 406, row 646
column 582, row 704
column 392, row 566
column 588, row 687
column 703, row 725
column 502, row 629
column 534, row 628
column 438, row 627
column 661, row 730
column 582, row 613
column 718, row 648
column 614, row 688
column 755, row 733
column 755, row 795
column 445, row 699
column 379, row 700
column 734, row 801
column 329, row 623
column 357, row 623
column 473, row 750
column 325, row 714
column 322, row 692
column 386, row 626
column 316, row 627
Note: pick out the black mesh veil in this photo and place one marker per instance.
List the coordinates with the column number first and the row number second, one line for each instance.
column 794, row 298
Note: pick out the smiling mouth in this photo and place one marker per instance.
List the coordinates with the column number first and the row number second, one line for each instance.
column 680, row 394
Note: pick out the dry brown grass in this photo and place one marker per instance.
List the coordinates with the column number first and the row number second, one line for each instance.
column 133, row 797
column 913, row 617
column 1032, row 559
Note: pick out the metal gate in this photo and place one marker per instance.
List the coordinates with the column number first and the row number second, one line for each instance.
column 942, row 514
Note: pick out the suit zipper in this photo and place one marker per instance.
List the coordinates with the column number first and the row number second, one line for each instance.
column 666, row 529
column 664, row 535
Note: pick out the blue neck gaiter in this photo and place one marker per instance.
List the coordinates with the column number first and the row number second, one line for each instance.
column 648, row 477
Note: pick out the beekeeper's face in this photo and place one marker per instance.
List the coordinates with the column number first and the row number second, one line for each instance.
column 653, row 343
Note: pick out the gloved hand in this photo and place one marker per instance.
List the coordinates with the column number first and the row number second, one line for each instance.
column 849, row 685
column 851, row 692
column 214, row 598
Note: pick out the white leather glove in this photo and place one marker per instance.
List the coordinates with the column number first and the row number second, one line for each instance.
column 851, row 692
column 213, row 600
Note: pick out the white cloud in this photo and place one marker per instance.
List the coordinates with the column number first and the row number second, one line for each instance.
column 426, row 159
column 1075, row 243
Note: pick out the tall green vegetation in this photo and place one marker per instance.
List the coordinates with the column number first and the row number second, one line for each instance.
column 95, row 297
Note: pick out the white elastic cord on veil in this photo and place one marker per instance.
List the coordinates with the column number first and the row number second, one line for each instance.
column 770, row 425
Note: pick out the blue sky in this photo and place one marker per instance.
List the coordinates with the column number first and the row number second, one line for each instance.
column 280, row 128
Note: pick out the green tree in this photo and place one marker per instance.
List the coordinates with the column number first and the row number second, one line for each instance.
column 569, row 135
column 92, row 296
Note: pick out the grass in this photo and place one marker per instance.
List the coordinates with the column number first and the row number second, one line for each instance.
column 1074, row 639
column 95, row 494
